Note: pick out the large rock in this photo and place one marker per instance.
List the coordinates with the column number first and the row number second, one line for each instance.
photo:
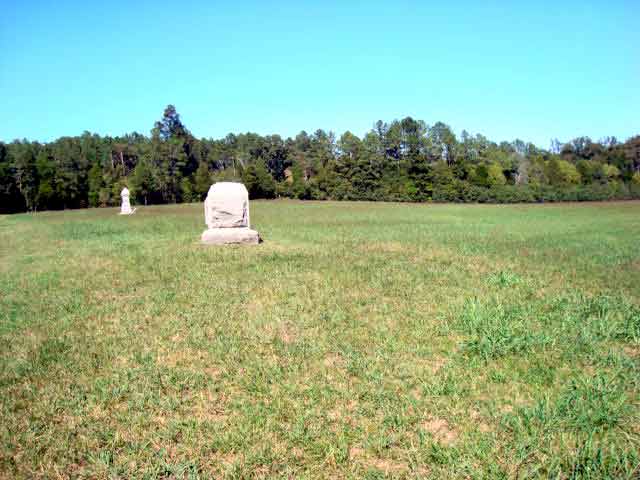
column 227, row 206
column 125, row 208
column 226, row 213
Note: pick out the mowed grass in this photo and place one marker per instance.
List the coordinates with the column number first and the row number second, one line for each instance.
column 360, row 340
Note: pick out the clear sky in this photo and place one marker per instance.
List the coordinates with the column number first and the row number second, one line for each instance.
column 533, row 70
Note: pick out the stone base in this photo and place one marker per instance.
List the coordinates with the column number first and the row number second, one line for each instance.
column 225, row 236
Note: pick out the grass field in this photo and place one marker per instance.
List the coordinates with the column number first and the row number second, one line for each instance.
column 359, row 340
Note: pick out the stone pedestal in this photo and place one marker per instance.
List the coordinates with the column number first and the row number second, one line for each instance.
column 226, row 236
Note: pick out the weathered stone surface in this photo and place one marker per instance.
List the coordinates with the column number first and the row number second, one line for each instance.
column 227, row 206
column 225, row 236
column 125, row 209
column 226, row 213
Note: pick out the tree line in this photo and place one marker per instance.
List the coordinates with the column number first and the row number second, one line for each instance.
column 404, row 160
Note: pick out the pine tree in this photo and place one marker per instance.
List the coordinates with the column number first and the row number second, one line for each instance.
column 142, row 181
column 10, row 198
column 26, row 174
column 202, row 180
column 96, row 184
column 187, row 194
column 259, row 181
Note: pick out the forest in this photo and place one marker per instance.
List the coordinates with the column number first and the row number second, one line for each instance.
column 405, row 160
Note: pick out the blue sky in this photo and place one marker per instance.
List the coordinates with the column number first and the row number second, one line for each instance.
column 529, row 70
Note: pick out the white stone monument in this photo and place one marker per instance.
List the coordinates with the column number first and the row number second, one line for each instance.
column 125, row 209
column 226, row 213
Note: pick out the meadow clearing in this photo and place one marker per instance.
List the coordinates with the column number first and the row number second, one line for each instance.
column 360, row 340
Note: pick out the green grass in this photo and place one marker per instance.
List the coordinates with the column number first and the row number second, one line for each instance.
column 359, row 340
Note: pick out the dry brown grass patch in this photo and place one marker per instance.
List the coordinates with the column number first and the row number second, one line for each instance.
column 261, row 300
column 180, row 358
column 359, row 456
column 433, row 364
column 440, row 429
column 343, row 412
column 288, row 334
column 209, row 407
column 334, row 360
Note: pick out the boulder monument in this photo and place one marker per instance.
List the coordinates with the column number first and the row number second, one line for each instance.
column 125, row 208
column 226, row 213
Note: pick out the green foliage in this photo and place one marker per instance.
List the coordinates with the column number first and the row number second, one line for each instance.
column 187, row 193
column 96, row 183
column 405, row 160
column 495, row 175
column 610, row 172
column 26, row 175
column 202, row 181
column 596, row 461
column 496, row 330
column 561, row 172
column 504, row 279
column 589, row 170
column 143, row 182
column 593, row 403
column 259, row 181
